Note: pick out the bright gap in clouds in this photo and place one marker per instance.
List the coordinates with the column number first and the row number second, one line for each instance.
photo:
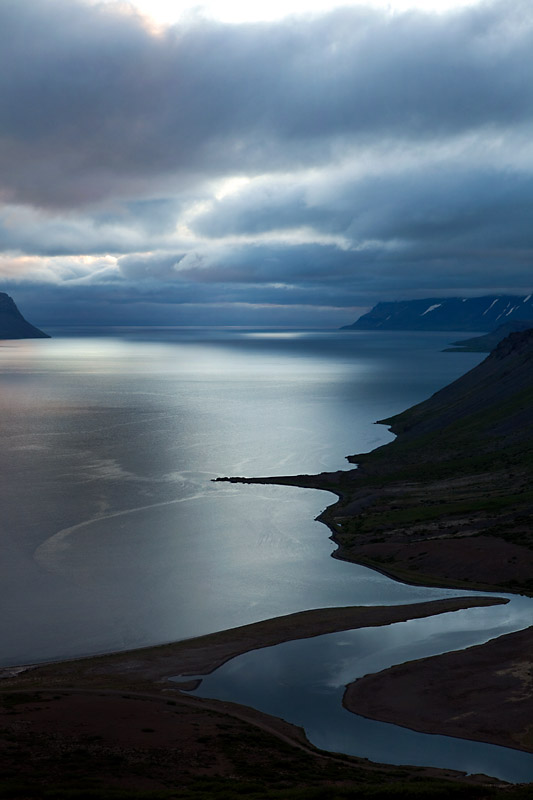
column 234, row 11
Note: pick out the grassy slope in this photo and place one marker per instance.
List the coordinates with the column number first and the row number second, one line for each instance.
column 487, row 342
column 459, row 471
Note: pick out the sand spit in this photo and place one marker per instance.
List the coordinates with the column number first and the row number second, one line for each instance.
column 148, row 666
column 97, row 713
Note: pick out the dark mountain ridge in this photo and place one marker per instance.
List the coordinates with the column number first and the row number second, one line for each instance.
column 12, row 323
column 446, row 314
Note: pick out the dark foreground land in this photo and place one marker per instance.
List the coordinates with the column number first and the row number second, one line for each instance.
column 106, row 726
column 448, row 503
column 105, row 747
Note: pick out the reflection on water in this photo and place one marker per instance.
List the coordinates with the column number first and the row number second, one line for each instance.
column 113, row 535
column 303, row 682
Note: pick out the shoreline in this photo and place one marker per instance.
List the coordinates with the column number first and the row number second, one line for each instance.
column 94, row 697
column 443, row 706
column 329, row 482
column 203, row 654
column 401, row 697
column 455, row 521
column 145, row 671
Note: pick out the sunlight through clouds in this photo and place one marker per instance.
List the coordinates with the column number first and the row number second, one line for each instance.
column 331, row 159
column 167, row 12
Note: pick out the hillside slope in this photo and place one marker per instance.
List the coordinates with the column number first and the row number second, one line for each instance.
column 450, row 501
column 487, row 342
column 489, row 407
column 12, row 323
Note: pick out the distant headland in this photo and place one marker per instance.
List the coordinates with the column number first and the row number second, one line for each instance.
column 12, row 323
column 487, row 342
column 446, row 314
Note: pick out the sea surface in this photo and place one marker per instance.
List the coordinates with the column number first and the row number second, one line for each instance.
column 113, row 534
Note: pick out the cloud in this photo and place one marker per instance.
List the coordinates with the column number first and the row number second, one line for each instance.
column 321, row 161
column 96, row 105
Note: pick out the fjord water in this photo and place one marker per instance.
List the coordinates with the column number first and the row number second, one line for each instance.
column 114, row 536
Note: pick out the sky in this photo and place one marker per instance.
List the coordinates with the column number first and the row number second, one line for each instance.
column 269, row 163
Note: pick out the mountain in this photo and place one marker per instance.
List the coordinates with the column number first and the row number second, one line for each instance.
column 446, row 314
column 486, row 343
column 12, row 323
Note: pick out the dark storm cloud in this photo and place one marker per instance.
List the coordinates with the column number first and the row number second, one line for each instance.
column 150, row 267
column 389, row 156
column 435, row 225
column 435, row 205
column 94, row 104
column 174, row 304
column 117, row 228
column 251, row 286
column 247, row 265
column 315, row 273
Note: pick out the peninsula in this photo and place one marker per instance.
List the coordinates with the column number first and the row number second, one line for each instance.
column 449, row 502
column 487, row 342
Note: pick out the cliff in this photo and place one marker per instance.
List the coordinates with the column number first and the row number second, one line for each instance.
column 12, row 323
